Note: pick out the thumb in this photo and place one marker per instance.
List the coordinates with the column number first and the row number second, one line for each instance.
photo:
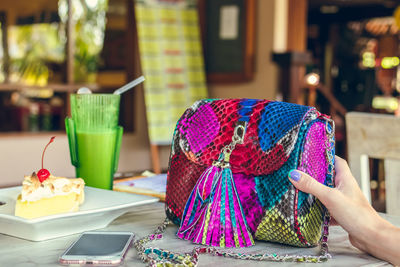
column 307, row 184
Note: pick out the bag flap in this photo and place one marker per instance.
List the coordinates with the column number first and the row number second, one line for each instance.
column 272, row 130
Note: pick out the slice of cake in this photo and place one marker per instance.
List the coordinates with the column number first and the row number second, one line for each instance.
column 51, row 196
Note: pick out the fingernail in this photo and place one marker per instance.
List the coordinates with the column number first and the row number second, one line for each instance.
column 294, row 175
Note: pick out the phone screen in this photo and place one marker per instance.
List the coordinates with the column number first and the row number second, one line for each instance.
column 99, row 245
column 98, row 248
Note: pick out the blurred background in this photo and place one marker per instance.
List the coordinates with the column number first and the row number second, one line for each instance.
column 339, row 56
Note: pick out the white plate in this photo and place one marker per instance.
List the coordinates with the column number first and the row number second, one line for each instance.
column 99, row 209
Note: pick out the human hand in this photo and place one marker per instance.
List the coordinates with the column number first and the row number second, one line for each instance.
column 350, row 209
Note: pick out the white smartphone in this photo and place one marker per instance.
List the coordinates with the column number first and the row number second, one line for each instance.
column 98, row 248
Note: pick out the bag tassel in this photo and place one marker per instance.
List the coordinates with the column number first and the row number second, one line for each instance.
column 213, row 214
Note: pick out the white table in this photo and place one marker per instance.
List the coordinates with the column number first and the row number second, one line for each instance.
column 144, row 219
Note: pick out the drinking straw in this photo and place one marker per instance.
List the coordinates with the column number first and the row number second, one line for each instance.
column 128, row 86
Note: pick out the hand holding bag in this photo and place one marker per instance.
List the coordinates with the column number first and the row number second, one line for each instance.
column 227, row 179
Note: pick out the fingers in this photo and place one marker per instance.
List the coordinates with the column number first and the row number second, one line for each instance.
column 341, row 165
column 307, row 184
column 333, row 222
column 344, row 178
column 355, row 242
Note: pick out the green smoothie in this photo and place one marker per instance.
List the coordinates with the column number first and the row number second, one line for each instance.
column 96, row 152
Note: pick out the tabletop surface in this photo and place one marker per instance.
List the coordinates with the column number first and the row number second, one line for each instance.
column 143, row 220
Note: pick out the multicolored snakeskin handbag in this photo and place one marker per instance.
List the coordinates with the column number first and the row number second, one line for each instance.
column 227, row 179
column 228, row 175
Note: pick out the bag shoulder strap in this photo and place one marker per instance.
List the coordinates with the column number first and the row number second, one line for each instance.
column 161, row 257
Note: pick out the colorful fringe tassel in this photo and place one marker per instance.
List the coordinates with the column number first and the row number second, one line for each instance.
column 213, row 214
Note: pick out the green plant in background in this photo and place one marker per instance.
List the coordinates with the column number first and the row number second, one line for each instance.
column 90, row 18
column 32, row 49
column 37, row 48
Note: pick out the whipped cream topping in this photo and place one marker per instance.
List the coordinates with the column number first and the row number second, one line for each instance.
column 33, row 189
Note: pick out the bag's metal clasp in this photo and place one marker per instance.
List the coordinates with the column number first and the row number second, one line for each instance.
column 237, row 138
column 239, row 132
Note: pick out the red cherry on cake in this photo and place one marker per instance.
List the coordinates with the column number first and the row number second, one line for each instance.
column 43, row 174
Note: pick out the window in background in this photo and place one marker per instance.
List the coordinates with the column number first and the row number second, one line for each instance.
column 34, row 92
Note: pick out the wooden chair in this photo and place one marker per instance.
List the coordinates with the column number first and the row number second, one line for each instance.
column 375, row 136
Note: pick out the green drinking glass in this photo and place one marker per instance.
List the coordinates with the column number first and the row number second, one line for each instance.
column 94, row 137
